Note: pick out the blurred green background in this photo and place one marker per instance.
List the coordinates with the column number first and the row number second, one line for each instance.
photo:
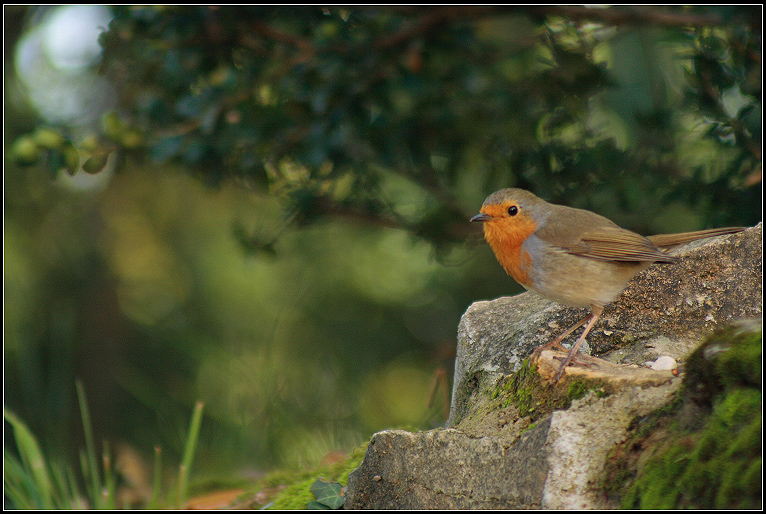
column 265, row 208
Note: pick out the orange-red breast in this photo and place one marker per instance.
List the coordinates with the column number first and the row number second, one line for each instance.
column 571, row 256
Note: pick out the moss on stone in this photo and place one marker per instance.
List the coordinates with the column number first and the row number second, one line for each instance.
column 295, row 487
column 534, row 397
column 715, row 462
column 729, row 358
column 740, row 364
column 295, row 496
column 520, row 389
column 576, row 389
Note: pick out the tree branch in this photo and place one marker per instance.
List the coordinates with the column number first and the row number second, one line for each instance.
column 632, row 15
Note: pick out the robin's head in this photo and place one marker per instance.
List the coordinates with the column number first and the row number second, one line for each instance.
column 510, row 216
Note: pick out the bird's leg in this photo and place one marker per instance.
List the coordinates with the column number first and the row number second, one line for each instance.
column 594, row 315
column 556, row 343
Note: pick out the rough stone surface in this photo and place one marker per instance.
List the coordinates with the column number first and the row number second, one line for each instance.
column 447, row 469
column 577, row 446
column 492, row 457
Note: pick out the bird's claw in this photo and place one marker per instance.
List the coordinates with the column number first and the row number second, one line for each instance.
column 579, row 360
column 540, row 349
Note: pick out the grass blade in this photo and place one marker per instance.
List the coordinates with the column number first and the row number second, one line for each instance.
column 191, row 445
column 32, row 459
column 17, row 483
column 157, row 481
column 110, row 480
column 90, row 448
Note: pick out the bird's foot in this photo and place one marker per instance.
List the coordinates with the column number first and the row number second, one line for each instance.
column 578, row 359
column 552, row 345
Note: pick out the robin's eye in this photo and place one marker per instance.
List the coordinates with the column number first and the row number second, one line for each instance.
column 513, row 210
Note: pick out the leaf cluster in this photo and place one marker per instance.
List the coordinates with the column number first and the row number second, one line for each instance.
column 319, row 105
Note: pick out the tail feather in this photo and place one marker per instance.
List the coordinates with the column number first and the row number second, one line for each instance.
column 670, row 240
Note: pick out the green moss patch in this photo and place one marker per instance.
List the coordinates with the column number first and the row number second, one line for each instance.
column 290, row 490
column 524, row 397
column 533, row 396
column 705, row 452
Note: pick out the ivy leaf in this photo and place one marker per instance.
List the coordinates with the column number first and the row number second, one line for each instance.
column 328, row 494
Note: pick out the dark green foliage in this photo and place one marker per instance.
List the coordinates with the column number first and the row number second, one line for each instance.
column 423, row 92
column 504, row 96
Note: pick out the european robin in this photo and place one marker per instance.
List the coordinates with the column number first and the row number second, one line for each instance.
column 571, row 256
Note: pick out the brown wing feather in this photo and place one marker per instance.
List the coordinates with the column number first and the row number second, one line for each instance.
column 585, row 233
column 618, row 244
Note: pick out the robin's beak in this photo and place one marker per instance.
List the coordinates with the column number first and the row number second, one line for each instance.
column 481, row 217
